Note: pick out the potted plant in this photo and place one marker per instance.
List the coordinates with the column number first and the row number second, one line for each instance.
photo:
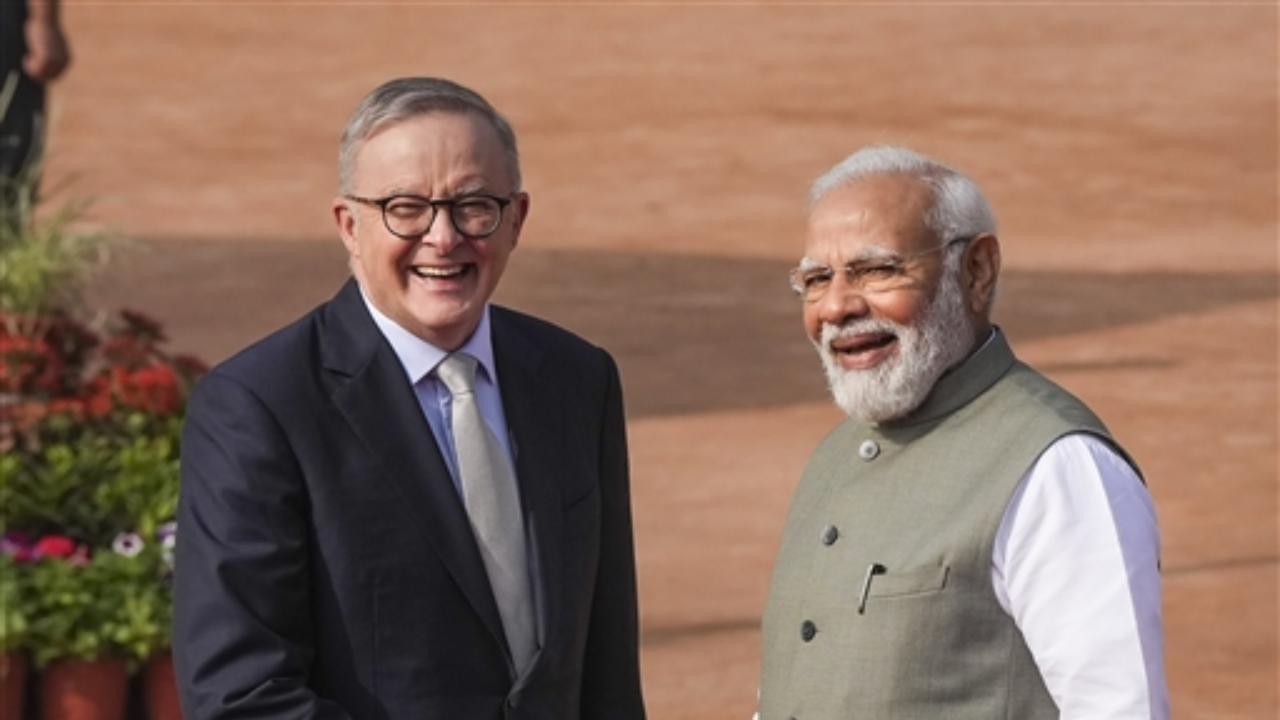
column 89, row 480
column 92, row 614
column 90, row 415
column 41, row 266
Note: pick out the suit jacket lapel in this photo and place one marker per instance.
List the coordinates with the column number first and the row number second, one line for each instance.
column 535, row 422
column 376, row 399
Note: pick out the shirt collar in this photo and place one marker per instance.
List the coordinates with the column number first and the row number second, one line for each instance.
column 419, row 357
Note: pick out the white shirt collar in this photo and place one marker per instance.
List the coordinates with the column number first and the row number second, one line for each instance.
column 991, row 335
column 419, row 357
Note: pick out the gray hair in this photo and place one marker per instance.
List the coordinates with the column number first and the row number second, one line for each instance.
column 404, row 98
column 958, row 209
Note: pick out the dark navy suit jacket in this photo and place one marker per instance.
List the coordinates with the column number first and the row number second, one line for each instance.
column 325, row 564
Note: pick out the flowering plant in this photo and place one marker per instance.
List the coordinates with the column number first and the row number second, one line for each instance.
column 89, row 430
column 81, row 603
column 89, row 423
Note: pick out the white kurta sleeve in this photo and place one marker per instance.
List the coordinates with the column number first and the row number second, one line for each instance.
column 1075, row 565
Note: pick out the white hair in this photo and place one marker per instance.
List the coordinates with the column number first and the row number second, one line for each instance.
column 957, row 210
column 403, row 98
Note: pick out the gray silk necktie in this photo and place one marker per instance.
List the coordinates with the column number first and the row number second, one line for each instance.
column 492, row 500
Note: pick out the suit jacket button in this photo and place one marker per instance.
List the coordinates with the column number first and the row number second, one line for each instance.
column 868, row 450
column 808, row 630
column 830, row 535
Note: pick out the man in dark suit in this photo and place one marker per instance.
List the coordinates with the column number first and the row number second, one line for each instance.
column 411, row 503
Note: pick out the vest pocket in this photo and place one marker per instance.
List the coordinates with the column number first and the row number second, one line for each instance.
column 919, row 581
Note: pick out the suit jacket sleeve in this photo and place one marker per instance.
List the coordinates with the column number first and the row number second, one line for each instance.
column 611, row 667
column 243, row 640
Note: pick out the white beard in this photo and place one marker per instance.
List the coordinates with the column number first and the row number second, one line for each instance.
column 941, row 338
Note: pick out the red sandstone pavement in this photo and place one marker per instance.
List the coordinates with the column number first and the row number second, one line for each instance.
column 1129, row 149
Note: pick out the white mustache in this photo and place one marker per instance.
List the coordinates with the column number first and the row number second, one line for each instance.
column 832, row 332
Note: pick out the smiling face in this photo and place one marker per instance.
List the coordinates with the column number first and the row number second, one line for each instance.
column 879, row 216
column 437, row 286
column 885, row 345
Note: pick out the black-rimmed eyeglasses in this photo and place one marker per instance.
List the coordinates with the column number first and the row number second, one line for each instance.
column 410, row 217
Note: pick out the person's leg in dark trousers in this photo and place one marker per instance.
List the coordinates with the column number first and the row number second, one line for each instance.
column 22, row 119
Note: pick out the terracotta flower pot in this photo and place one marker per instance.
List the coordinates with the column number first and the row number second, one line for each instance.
column 13, row 683
column 161, row 688
column 84, row 690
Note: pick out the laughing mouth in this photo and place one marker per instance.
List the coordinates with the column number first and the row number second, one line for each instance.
column 432, row 272
column 857, row 344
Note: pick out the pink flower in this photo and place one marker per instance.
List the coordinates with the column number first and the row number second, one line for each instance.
column 55, row 546
column 80, row 558
column 17, row 546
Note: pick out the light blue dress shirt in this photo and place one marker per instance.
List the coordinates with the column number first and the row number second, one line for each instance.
column 419, row 359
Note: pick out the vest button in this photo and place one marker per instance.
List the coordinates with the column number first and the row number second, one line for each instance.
column 808, row 630
column 830, row 535
column 868, row 450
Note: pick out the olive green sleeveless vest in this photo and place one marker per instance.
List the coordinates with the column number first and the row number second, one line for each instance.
column 881, row 605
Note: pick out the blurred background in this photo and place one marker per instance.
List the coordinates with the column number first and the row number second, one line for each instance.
column 1129, row 150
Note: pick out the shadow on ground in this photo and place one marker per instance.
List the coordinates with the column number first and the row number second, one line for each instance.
column 690, row 333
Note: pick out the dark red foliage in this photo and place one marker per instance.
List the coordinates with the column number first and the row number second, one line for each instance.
column 58, row 368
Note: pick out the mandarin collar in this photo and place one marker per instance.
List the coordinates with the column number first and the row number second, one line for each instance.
column 962, row 383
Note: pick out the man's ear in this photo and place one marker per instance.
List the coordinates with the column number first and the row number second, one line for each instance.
column 519, row 210
column 981, row 267
column 345, row 219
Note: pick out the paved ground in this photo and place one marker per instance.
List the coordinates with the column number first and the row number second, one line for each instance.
column 1129, row 149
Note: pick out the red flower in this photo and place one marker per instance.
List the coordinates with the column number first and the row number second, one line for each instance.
column 154, row 388
column 97, row 399
column 27, row 414
column 57, row 546
column 73, row 407
column 28, row 364
column 57, row 376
